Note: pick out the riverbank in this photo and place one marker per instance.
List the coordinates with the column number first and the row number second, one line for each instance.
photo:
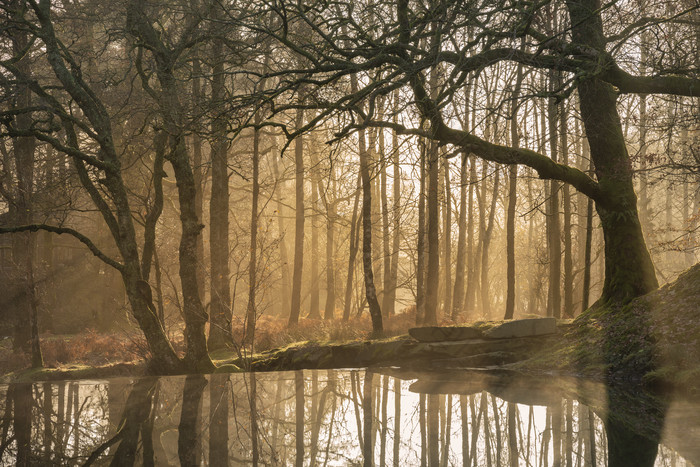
column 654, row 340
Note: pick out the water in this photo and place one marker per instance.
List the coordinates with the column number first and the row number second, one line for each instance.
column 344, row 417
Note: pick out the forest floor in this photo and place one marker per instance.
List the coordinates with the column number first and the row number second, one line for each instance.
column 654, row 340
column 93, row 354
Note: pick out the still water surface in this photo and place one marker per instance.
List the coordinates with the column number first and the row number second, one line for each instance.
column 345, row 417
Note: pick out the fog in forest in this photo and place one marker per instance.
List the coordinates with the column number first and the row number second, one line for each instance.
column 186, row 176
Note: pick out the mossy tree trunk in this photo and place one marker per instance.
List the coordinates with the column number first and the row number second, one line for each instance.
column 629, row 271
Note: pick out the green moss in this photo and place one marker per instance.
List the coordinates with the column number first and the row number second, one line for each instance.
column 653, row 339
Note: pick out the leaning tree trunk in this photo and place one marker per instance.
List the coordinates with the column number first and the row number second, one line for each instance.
column 629, row 271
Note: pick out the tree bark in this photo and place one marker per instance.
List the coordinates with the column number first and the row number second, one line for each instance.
column 220, row 308
column 629, row 271
column 251, row 313
column 447, row 236
column 352, row 253
column 370, row 291
column 284, row 257
column 458, row 298
column 469, row 298
column 26, row 329
column 553, row 227
column 420, row 244
column 314, row 289
column 172, row 112
column 396, row 207
column 512, row 200
column 568, row 310
column 117, row 213
column 386, row 283
column 510, row 241
column 432, row 278
column 331, row 218
column 485, row 244
column 299, row 223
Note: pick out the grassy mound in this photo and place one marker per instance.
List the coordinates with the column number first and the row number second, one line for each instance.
column 653, row 339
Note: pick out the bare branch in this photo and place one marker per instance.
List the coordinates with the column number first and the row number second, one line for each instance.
column 66, row 230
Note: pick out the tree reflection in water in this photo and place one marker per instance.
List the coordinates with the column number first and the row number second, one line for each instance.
column 342, row 417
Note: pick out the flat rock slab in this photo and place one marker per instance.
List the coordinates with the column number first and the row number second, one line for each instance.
column 444, row 333
column 522, row 328
column 489, row 329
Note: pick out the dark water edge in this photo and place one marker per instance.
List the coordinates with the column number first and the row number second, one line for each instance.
column 346, row 417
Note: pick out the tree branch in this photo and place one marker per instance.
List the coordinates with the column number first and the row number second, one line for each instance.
column 65, row 230
column 627, row 83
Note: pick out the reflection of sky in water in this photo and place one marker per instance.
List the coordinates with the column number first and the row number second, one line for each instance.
column 437, row 429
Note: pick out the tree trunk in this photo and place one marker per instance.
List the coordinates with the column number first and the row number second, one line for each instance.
column 553, row 228
column 512, row 199
column 329, row 308
column 197, row 168
column 221, row 313
column 370, row 291
column 396, row 207
column 352, row 253
column 26, row 329
column 447, row 235
column 568, row 310
column 458, row 297
column 314, row 290
column 485, row 289
column 386, row 283
column 251, row 314
column 299, row 223
column 196, row 354
column 284, row 257
column 420, row 245
column 629, row 271
column 433, row 273
column 510, row 240
column 470, row 296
